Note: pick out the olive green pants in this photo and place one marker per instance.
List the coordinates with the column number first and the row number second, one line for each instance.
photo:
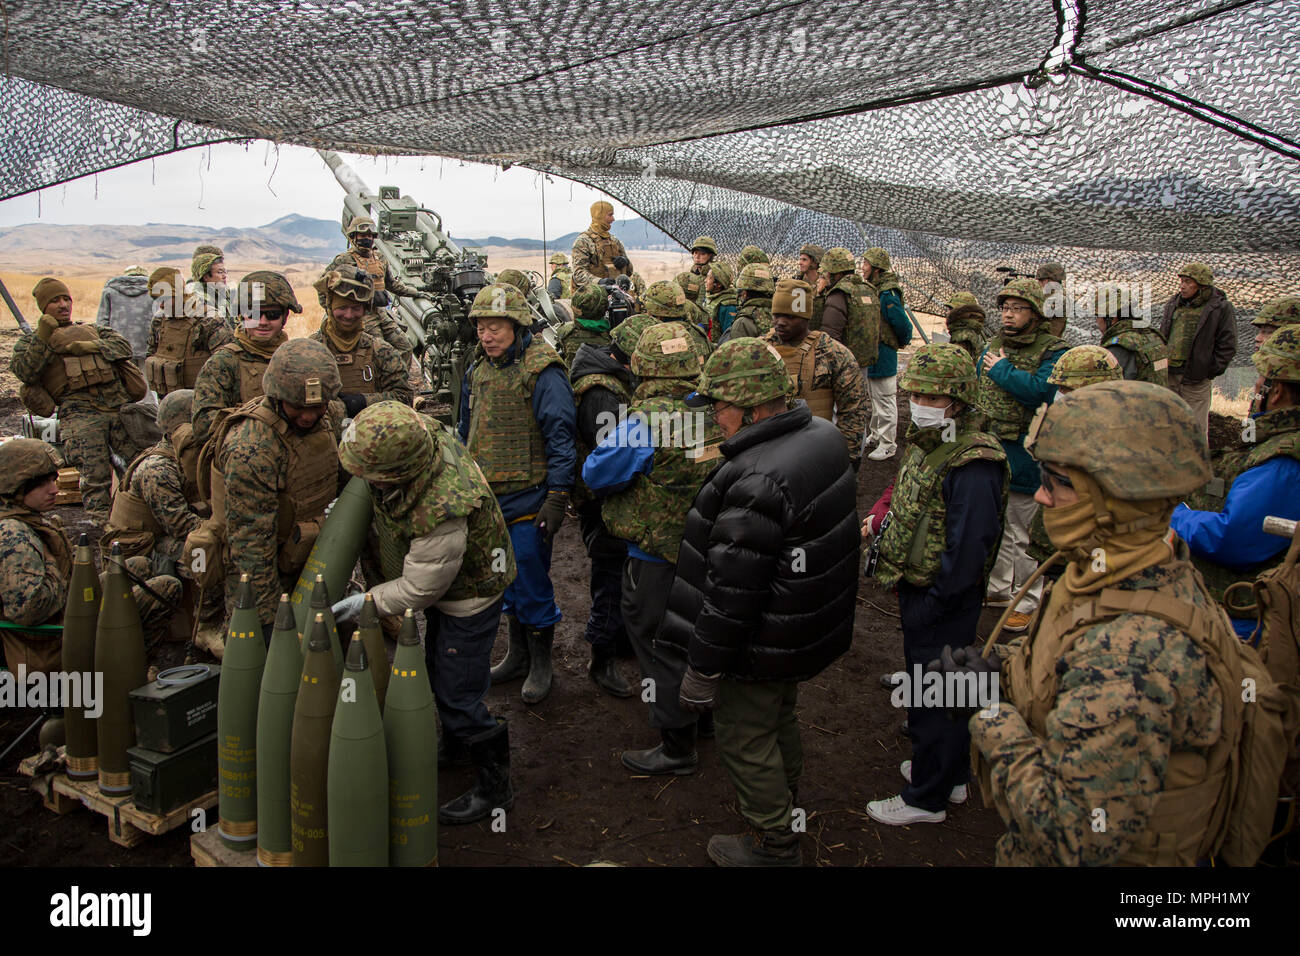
column 758, row 744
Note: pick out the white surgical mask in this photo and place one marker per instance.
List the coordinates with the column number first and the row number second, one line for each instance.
column 924, row 416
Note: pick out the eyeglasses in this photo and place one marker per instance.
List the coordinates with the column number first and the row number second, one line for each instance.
column 1008, row 307
column 1051, row 477
column 718, row 407
column 271, row 315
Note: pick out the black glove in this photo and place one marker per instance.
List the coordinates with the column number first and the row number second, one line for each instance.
column 964, row 660
column 551, row 514
column 620, row 262
column 353, row 402
column 380, row 300
column 698, row 691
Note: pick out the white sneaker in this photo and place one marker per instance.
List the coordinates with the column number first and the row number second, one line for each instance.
column 882, row 452
column 958, row 794
column 896, row 813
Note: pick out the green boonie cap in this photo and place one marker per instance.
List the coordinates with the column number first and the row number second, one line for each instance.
column 745, row 372
column 878, row 257
column 1027, row 289
column 838, row 259
column 1050, row 272
column 628, row 332
column 941, row 369
column 175, row 409
column 1085, row 365
column 963, row 300
column 665, row 300
column 389, row 442
column 722, row 274
column 501, row 301
column 360, row 224
column 1199, row 272
column 664, row 351
column 1138, row 440
column 752, row 254
column 1279, row 357
column 590, row 302
column 692, row 284
column 339, row 283
column 756, row 277
column 302, row 372
column 812, row 251
column 22, row 459
column 1283, row 310
column 515, row 278
column 559, row 259
column 706, row 243
column 275, row 290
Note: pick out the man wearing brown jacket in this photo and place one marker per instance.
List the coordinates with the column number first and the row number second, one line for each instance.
column 1201, row 328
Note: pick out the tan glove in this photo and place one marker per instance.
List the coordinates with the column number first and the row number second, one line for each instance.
column 46, row 327
column 83, row 348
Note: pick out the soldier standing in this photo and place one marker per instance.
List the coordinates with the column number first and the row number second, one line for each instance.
column 965, row 324
column 703, row 252
column 882, row 375
column 596, row 253
column 73, row 366
column 206, row 292
column 370, row 370
column 125, row 305
column 752, row 254
column 1051, row 278
column 361, row 255
column 560, row 284
column 851, row 309
column 590, row 325
column 178, row 344
column 810, row 257
column 1201, row 328
column 518, row 420
column 721, row 306
column 1138, row 348
column 1274, row 314
column 754, row 312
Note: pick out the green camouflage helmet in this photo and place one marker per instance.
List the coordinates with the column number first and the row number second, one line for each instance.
column 1284, row 310
column 1027, row 289
column 1085, row 365
column 665, row 300
column 501, row 301
column 1050, row 272
column 1279, row 357
column 628, row 332
column 813, row 252
column 756, row 277
column 664, row 351
column 962, row 300
column 706, row 243
column 390, row 442
column 515, row 278
column 345, row 286
column 266, row 288
column 302, row 372
column 590, row 302
column 202, row 264
column 638, row 284
column 1139, row 441
column 941, row 369
column 559, row 259
column 745, row 372
column 878, row 257
column 361, row 224
column 175, row 409
column 1198, row 272
column 207, row 249
column 722, row 274
column 22, row 459
column 692, row 284
column 752, row 254
column 838, row 260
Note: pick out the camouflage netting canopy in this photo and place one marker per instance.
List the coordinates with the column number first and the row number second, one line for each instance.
column 1121, row 137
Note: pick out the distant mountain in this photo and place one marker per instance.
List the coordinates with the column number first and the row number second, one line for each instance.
column 633, row 233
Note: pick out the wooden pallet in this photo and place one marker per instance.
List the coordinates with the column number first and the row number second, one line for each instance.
column 208, row 850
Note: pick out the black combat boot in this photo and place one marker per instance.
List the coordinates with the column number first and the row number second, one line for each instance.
column 515, row 664
column 756, row 848
column 538, row 684
column 676, row 754
column 452, row 751
column 605, row 672
column 705, row 725
column 490, row 752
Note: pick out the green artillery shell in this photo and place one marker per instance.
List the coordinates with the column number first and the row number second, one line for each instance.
column 411, row 735
column 313, row 715
column 120, row 657
column 79, row 617
column 372, row 635
column 280, row 682
column 335, row 552
column 241, row 683
column 358, row 769
column 321, row 604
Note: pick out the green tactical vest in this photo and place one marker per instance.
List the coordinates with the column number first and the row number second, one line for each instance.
column 455, row 489
column 913, row 544
column 970, row 335
column 862, row 330
column 1277, row 435
column 1148, row 348
column 652, row 512
column 581, row 493
column 887, row 334
column 573, row 336
column 504, row 436
column 759, row 312
column 1008, row 418
column 566, row 282
column 1182, row 328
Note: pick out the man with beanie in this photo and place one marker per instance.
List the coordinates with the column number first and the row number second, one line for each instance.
column 370, row 370
column 590, row 325
column 179, row 344
column 882, row 374
column 596, row 253
column 1200, row 326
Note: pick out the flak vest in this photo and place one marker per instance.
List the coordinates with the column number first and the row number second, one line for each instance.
column 175, row 364
column 373, row 266
column 57, row 552
column 1008, row 418
column 131, row 521
column 801, row 364
column 357, row 367
column 65, row 374
column 607, row 247
column 757, row 310
column 504, row 436
column 584, row 384
column 1148, row 348
column 862, row 327
column 251, row 369
column 566, row 282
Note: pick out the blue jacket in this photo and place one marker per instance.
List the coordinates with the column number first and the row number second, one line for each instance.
column 891, row 311
column 1029, row 389
column 613, row 465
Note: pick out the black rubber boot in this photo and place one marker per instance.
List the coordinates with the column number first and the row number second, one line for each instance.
column 538, row 684
column 676, row 754
column 756, row 848
column 605, row 673
column 515, row 664
column 490, row 752
column 705, row 725
column 452, row 752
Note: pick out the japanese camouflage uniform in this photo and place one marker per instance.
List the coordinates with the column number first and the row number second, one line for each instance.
column 589, row 326
column 965, row 323
column 754, row 315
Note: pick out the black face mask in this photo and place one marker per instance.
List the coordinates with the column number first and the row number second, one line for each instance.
column 365, row 242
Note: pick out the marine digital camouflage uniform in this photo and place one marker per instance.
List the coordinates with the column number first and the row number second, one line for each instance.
column 389, row 376
column 594, row 252
column 231, row 377
column 835, row 383
column 197, row 337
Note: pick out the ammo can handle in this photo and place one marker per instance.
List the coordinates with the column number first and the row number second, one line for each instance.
column 192, row 672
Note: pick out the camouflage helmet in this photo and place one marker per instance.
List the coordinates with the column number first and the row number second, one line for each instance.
column 338, row 283
column 175, row 409
column 302, row 372
column 515, row 278
column 1284, row 310
column 164, row 281
column 692, row 284
column 638, row 284
column 813, row 252
column 208, row 249
column 664, row 351
column 963, row 300
column 1279, row 357
column 752, row 254
column 267, row 288
column 1198, row 272
column 1050, row 272
column 756, row 277
column 1085, row 365
column 1138, row 440
column 590, row 302
column 706, row 243
column 745, row 372
column 878, row 257
column 389, row 442
column 838, row 260
column 22, row 459
column 1027, row 289
column 559, row 259
column 722, row 273
column 202, row 264
column 941, row 369
column 501, row 301
column 1112, row 300
column 628, row 332
column 665, row 300
column 361, row 224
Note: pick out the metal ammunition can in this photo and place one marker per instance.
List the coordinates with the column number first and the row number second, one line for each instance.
column 177, row 709
column 161, row 782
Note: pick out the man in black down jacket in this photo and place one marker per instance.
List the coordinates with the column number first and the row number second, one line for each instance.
column 766, row 584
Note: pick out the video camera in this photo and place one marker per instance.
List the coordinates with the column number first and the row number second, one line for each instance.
column 620, row 303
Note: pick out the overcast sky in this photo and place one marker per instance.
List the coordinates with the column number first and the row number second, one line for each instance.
column 232, row 185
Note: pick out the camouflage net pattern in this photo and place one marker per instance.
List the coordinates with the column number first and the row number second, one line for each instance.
column 1119, row 137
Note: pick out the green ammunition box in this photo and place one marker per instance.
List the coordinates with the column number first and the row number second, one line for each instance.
column 176, row 709
column 162, row 782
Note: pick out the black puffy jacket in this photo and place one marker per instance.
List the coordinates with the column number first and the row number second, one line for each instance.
column 767, row 574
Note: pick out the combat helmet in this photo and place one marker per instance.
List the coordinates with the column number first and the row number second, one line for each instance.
column 665, row 300
column 1198, row 272
column 1085, row 365
column 1278, row 359
column 389, row 442
column 813, row 252
column 878, row 257
column 361, row 224
column 22, row 459
column 339, row 283
column 664, row 351
column 515, row 278
column 501, row 301
column 963, row 300
column 721, row 273
column 1284, row 310
column 706, row 243
column 1050, row 272
column 941, row 369
column 175, row 410
column 1027, row 289
column 266, row 288
column 628, row 332
column 559, row 259
column 752, row 254
column 302, row 372
column 837, row 260
column 756, row 277
column 692, row 284
column 1138, row 441
column 744, row 372
column 590, row 303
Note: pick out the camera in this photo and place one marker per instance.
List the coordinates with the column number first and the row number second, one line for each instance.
column 620, row 304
